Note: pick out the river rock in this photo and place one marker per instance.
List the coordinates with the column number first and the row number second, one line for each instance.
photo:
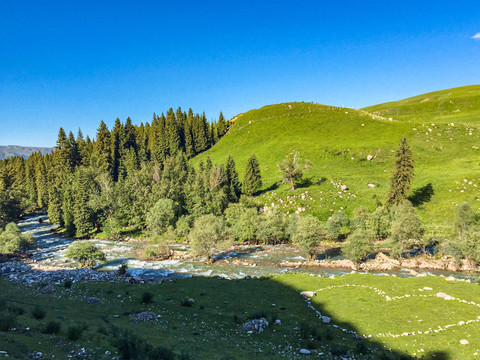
column 308, row 293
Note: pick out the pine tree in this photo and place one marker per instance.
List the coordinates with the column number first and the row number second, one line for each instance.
column 403, row 172
column 117, row 137
column 102, row 149
column 252, row 179
column 188, row 135
column 81, row 210
column 233, row 187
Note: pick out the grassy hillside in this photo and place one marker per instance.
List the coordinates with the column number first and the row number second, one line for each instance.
column 338, row 141
column 460, row 104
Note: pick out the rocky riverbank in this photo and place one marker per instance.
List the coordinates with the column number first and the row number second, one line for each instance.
column 383, row 262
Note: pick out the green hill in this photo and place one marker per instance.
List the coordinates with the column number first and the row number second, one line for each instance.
column 460, row 104
column 338, row 142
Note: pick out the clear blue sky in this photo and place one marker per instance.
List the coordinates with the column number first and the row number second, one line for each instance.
column 74, row 63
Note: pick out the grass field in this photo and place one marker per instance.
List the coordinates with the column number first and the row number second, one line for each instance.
column 211, row 327
column 338, row 141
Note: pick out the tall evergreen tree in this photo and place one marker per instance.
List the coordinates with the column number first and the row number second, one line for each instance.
column 252, row 179
column 102, row 149
column 233, row 188
column 81, row 211
column 403, row 172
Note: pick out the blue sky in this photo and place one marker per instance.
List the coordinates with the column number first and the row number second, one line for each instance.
column 74, row 63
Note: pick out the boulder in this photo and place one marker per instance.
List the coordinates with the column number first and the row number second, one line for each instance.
column 369, row 157
column 372, row 186
column 308, row 293
column 464, row 342
column 326, row 319
column 305, row 352
column 444, row 296
column 144, row 316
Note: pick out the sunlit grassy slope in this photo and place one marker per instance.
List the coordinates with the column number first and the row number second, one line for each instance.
column 457, row 104
column 338, row 141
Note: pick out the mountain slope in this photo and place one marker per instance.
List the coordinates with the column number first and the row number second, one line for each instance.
column 24, row 151
column 451, row 105
column 338, row 142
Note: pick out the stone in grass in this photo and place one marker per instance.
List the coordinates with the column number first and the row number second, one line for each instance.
column 305, row 352
column 308, row 293
column 464, row 342
column 144, row 316
column 326, row 319
column 92, row 300
column 257, row 325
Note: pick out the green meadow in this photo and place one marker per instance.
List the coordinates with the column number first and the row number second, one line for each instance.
column 211, row 326
column 339, row 141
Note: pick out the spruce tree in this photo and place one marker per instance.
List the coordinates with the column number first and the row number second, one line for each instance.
column 81, row 210
column 102, row 149
column 403, row 172
column 252, row 179
column 233, row 189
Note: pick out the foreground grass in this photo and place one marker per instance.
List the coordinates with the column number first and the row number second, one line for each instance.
column 211, row 327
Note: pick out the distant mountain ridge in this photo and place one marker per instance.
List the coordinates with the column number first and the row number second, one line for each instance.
column 24, row 151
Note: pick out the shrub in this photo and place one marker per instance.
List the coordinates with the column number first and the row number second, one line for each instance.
column 160, row 216
column 272, row 229
column 379, row 223
column 67, row 284
column 7, row 321
column 407, row 227
column 147, row 297
column 12, row 241
column 465, row 218
column 131, row 347
column 309, row 234
column 52, row 327
column 243, row 221
column 74, row 332
column 358, row 246
column 470, row 246
column 207, row 232
column 155, row 252
column 85, row 253
column 183, row 226
column 360, row 217
column 338, row 226
column 38, row 313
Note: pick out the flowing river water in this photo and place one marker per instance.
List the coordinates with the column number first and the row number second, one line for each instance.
column 243, row 261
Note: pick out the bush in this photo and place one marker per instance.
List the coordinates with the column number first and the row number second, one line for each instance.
column 156, row 252
column 465, row 219
column 183, row 226
column 272, row 229
column 131, row 347
column 74, row 332
column 85, row 253
column 147, row 297
column 243, row 221
column 38, row 313
column 379, row 223
column 52, row 327
column 309, row 234
column 407, row 227
column 360, row 217
column 12, row 241
column 7, row 321
column 160, row 216
column 208, row 231
column 358, row 246
column 338, row 226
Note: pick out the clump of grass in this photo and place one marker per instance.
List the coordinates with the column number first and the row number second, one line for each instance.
column 188, row 302
column 67, row 284
column 7, row 320
column 147, row 297
column 38, row 313
column 74, row 332
column 17, row 310
column 52, row 327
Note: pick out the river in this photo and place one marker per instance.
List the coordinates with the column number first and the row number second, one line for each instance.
column 243, row 261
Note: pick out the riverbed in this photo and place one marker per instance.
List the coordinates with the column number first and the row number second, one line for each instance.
column 240, row 262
